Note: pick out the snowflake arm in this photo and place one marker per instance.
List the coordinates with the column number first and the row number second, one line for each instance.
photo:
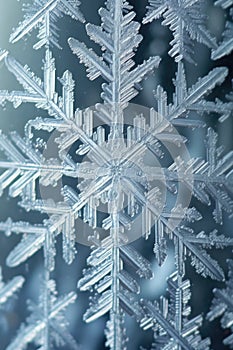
column 62, row 219
column 8, row 289
column 115, row 286
column 118, row 41
column 35, row 237
column 34, row 330
column 44, row 14
column 193, row 99
column 222, row 306
column 41, row 93
column 226, row 46
column 61, row 108
column 25, row 165
column 185, row 22
column 203, row 263
column 169, row 319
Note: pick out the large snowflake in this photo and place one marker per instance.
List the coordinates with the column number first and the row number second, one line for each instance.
column 132, row 172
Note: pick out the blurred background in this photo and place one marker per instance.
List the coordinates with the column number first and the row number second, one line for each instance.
column 156, row 42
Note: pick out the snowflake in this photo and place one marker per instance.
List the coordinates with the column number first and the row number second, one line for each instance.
column 132, row 173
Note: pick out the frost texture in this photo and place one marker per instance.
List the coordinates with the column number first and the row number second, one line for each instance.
column 115, row 173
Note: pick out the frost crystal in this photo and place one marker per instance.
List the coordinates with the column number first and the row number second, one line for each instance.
column 9, row 288
column 226, row 46
column 186, row 21
column 7, row 292
column 170, row 322
column 44, row 14
column 46, row 324
column 222, row 306
column 124, row 171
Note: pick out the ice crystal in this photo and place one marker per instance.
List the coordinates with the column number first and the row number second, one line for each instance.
column 9, row 288
column 46, row 324
column 186, row 21
column 170, row 319
column 222, row 306
column 43, row 15
column 134, row 172
column 117, row 288
column 226, row 46
column 187, row 100
column 7, row 291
